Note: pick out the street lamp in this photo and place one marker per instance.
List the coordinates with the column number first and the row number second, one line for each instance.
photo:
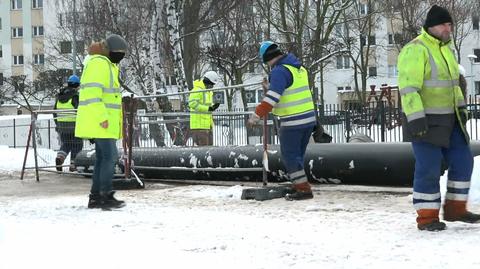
column 472, row 58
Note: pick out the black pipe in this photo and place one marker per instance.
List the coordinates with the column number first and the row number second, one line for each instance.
column 349, row 163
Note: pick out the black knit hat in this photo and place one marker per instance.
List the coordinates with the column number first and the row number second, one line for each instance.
column 272, row 52
column 437, row 15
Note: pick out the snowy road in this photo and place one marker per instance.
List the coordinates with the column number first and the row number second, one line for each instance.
column 47, row 225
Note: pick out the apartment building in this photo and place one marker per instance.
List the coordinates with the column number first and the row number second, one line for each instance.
column 22, row 35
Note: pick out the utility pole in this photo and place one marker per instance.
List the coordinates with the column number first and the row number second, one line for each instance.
column 74, row 42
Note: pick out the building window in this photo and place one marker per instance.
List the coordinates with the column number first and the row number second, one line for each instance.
column 343, row 62
column 37, row 31
column 477, row 53
column 17, row 59
column 477, row 87
column 392, row 71
column 372, row 71
column 364, row 9
column 38, row 59
column 1, row 51
column 348, row 88
column 475, row 22
column 1, row 78
column 363, row 41
column 394, row 38
column 65, row 47
column 0, row 23
column 250, row 97
column 37, row 3
column 17, row 32
column 372, row 40
column 16, row 4
column 339, row 89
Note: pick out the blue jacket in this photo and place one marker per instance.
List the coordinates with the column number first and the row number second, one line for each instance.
column 281, row 78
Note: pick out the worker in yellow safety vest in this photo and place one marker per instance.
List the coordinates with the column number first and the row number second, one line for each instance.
column 434, row 118
column 99, row 115
column 67, row 99
column 201, row 107
column 289, row 98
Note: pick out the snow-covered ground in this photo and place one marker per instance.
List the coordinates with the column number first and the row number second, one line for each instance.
column 47, row 225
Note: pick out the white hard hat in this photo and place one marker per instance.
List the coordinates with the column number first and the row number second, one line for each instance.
column 461, row 70
column 212, row 76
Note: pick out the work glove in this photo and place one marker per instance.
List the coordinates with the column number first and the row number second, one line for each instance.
column 213, row 107
column 253, row 120
column 418, row 128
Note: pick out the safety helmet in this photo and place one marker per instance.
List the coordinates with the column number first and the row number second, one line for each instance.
column 73, row 79
column 269, row 50
column 212, row 76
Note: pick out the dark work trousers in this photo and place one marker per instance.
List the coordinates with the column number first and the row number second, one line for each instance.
column 69, row 143
column 106, row 155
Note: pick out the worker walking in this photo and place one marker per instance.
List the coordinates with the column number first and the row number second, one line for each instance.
column 434, row 121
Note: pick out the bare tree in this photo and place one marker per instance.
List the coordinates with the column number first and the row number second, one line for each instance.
column 234, row 44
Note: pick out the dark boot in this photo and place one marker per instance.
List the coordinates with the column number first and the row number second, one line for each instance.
column 72, row 167
column 457, row 211
column 301, row 191
column 432, row 226
column 112, row 202
column 95, row 200
column 59, row 162
column 427, row 220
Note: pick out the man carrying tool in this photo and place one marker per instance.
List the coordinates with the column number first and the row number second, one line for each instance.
column 201, row 108
column 289, row 97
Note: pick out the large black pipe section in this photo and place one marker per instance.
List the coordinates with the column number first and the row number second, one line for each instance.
column 349, row 163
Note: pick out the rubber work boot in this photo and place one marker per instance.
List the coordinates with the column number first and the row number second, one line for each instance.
column 432, row 226
column 59, row 162
column 457, row 211
column 301, row 191
column 427, row 220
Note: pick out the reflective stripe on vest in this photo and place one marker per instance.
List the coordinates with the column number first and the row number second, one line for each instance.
column 297, row 98
column 65, row 117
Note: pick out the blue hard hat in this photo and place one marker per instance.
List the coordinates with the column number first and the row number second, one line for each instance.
column 73, row 79
column 269, row 50
column 263, row 47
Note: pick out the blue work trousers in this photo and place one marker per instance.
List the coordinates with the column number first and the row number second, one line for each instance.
column 106, row 154
column 428, row 161
column 293, row 144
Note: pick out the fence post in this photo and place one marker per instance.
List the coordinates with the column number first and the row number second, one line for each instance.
column 49, row 144
column 348, row 126
column 382, row 121
column 14, row 135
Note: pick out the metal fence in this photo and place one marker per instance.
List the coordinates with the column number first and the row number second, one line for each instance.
column 378, row 121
